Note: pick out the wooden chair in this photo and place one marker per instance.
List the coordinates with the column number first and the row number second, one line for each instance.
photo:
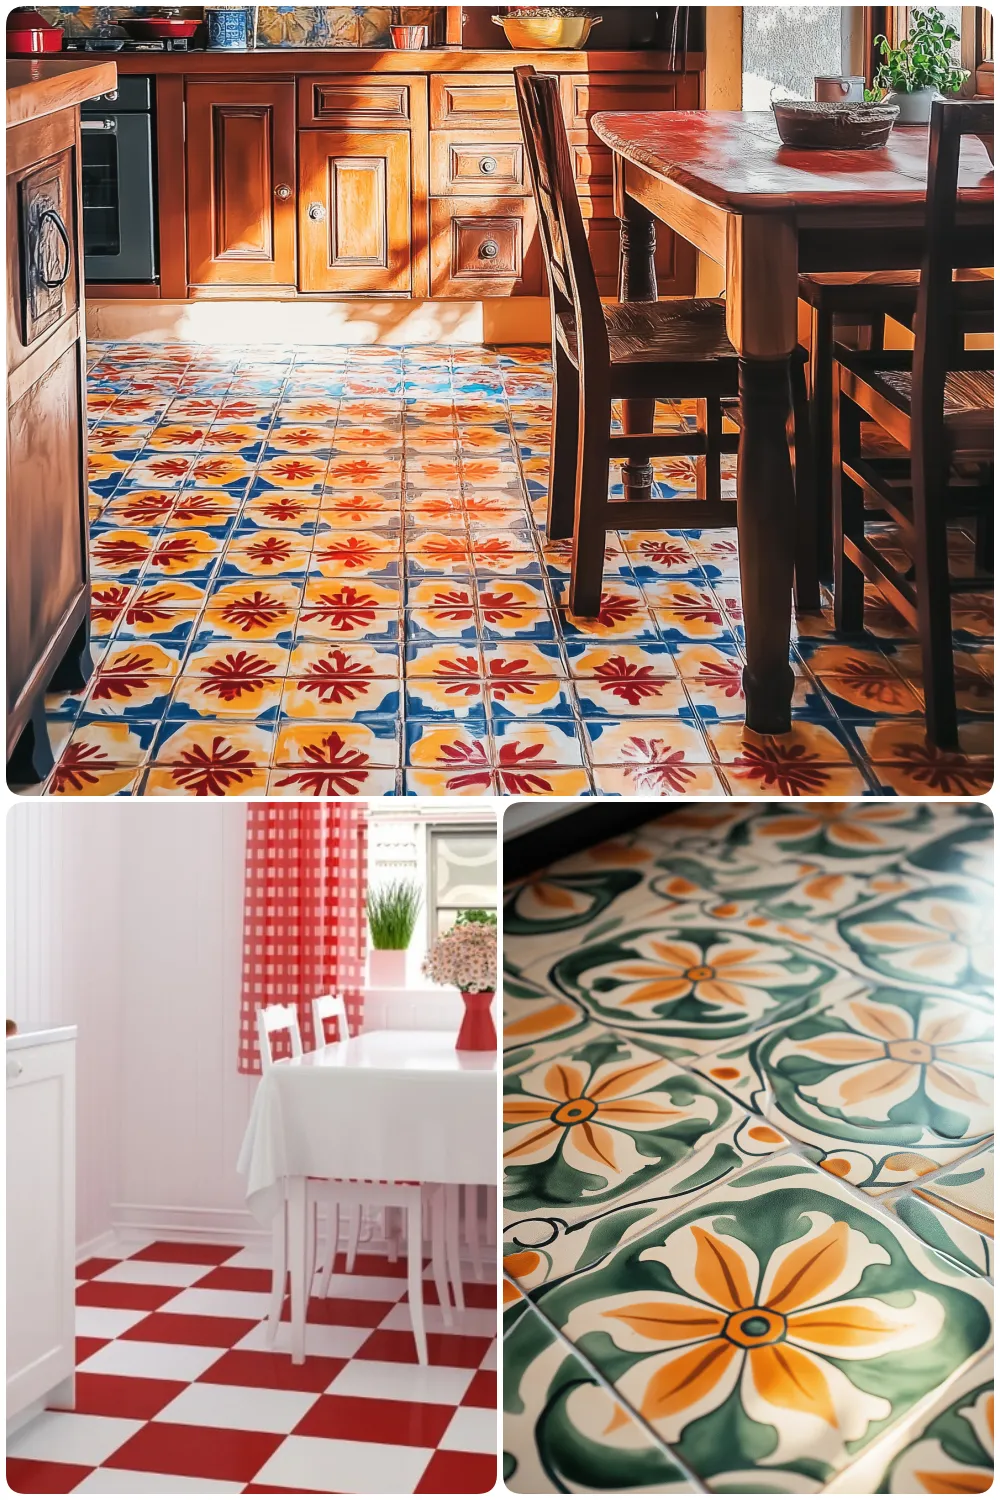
column 863, row 300
column 676, row 349
column 937, row 403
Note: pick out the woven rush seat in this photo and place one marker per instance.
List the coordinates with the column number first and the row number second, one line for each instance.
column 683, row 329
column 968, row 402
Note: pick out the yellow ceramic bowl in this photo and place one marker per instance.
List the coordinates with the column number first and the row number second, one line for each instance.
column 534, row 33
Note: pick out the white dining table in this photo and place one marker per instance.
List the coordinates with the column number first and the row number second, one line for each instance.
column 384, row 1105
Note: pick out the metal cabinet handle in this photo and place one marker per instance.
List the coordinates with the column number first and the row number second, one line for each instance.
column 283, row 191
column 50, row 216
column 488, row 164
column 489, row 249
column 111, row 95
column 316, row 211
column 108, row 125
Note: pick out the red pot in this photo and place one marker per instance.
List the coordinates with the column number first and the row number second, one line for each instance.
column 477, row 1034
column 153, row 28
column 29, row 34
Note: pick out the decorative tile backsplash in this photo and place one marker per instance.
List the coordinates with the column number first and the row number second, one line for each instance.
column 277, row 25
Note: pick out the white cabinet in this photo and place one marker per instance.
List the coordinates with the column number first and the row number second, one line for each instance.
column 41, row 1220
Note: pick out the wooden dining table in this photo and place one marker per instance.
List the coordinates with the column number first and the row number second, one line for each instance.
column 764, row 212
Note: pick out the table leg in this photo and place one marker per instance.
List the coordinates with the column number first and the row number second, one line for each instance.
column 452, row 1245
column 636, row 283
column 766, row 520
column 414, row 1271
column 297, row 1237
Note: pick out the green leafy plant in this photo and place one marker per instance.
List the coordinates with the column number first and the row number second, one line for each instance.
column 392, row 913
column 476, row 914
column 922, row 60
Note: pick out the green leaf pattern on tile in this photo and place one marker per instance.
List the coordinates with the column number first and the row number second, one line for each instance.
column 954, row 1454
column 942, row 938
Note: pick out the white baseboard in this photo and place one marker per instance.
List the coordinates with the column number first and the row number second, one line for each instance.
column 100, row 1245
column 226, row 1226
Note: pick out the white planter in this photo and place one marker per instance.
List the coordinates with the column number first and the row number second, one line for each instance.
column 915, row 108
column 387, row 968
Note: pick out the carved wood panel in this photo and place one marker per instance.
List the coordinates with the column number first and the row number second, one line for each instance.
column 355, row 218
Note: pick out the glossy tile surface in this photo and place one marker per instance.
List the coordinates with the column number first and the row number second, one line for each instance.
column 783, row 1281
column 258, row 502
column 178, row 1389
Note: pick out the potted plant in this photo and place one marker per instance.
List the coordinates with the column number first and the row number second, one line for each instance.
column 392, row 912
column 920, row 70
column 466, row 956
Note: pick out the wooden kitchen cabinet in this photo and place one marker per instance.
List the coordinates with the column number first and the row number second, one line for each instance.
column 484, row 249
column 356, row 211
column 240, row 157
column 48, row 581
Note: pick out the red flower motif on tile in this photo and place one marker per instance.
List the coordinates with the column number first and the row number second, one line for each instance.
column 336, row 678
column 174, row 549
column 726, row 676
column 145, row 510
column 118, row 551
column 519, row 768
column 268, row 550
column 454, row 604
column 253, row 611
column 493, row 549
column 168, row 468
column 107, row 602
column 295, row 437
column 473, row 758
column 946, row 772
column 282, row 510
column 332, row 768
column 791, row 769
column 695, row 606
column 343, row 609
column 213, row 468
column 615, row 609
column 352, row 552
column 433, row 509
column 130, row 674
column 235, row 674
column 355, row 469
column 78, row 766
column 148, row 608
column 628, row 681
column 193, row 507
column 499, row 607
column 187, row 435
column 210, row 773
column 661, row 765
column 444, row 549
column 665, row 552
column 237, row 409
column 459, row 676
column 225, row 437
column 513, row 676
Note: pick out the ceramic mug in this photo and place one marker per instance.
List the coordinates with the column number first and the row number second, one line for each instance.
column 228, row 28
column 831, row 88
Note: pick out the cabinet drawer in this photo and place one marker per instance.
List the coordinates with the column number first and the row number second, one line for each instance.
column 357, row 101
column 483, row 249
column 463, row 100
column 484, row 166
column 43, row 217
column 584, row 95
column 592, row 165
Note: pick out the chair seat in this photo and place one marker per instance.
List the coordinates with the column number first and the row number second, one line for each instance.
column 968, row 406
column 679, row 330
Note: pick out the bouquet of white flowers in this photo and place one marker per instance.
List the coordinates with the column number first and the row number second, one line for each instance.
column 465, row 956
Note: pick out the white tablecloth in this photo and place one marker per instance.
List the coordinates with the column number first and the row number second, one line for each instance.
column 400, row 1105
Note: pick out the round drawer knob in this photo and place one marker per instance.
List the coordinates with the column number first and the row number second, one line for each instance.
column 489, row 250
column 283, row 191
column 316, row 211
column 488, row 165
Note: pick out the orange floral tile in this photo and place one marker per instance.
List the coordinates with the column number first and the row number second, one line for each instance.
column 182, row 552
column 294, row 472
column 649, row 779
column 118, row 782
column 227, row 750
column 176, row 781
column 440, row 783
column 120, row 552
column 364, row 473
column 269, row 554
column 331, row 759
column 240, row 687
column 200, row 508
column 141, row 508
column 254, row 612
column 219, row 658
column 647, row 742
column 361, row 552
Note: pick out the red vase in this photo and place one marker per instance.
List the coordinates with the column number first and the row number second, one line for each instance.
column 477, row 1033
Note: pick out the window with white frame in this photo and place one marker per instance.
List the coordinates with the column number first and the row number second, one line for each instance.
column 462, row 874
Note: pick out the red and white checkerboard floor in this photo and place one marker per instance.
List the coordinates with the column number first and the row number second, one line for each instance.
column 177, row 1390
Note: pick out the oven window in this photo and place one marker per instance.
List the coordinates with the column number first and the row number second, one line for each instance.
column 101, row 212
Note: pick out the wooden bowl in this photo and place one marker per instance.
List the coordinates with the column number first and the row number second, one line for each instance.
column 833, row 127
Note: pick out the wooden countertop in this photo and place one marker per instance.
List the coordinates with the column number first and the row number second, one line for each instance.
column 306, row 60
column 40, row 86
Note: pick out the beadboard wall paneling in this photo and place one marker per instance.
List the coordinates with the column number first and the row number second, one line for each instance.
column 64, row 922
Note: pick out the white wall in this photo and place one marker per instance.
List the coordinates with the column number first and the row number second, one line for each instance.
column 64, row 926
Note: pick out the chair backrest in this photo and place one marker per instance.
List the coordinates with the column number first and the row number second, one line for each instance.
column 572, row 280
column 271, row 1021
column 328, row 1008
column 940, row 296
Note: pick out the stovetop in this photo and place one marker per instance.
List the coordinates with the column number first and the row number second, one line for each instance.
column 100, row 44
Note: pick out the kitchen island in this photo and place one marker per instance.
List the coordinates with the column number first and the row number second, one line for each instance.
column 48, row 580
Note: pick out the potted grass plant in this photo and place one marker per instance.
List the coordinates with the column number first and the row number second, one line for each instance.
column 392, row 911
column 920, row 70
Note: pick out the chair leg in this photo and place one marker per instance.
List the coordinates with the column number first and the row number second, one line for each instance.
column 930, row 557
column 279, row 1271
column 876, row 339
column 414, row 1277
column 470, row 1199
column 806, row 540
column 589, row 534
column 439, row 1265
column 353, row 1234
column 452, row 1246
column 332, row 1236
column 563, row 447
column 312, row 1242
column 821, row 426
column 848, row 515
column 392, row 1233
column 638, row 416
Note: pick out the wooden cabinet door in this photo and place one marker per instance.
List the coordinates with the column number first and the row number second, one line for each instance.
column 240, row 147
column 355, row 211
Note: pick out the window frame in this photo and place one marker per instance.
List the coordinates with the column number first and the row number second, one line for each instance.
column 432, row 829
column 892, row 21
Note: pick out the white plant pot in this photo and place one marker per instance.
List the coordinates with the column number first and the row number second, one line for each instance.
column 386, row 968
column 915, row 108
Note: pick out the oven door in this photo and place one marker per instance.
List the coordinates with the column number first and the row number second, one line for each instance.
column 118, row 197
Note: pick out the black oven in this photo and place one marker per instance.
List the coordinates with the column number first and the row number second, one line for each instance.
column 118, row 195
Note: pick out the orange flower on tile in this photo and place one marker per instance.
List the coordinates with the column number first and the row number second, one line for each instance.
column 236, row 675
column 214, row 771
column 350, row 551
column 79, row 768
column 128, row 675
column 120, row 549
column 251, row 611
column 330, row 767
column 108, row 601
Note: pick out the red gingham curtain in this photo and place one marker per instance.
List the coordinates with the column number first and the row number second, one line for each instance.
column 303, row 913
